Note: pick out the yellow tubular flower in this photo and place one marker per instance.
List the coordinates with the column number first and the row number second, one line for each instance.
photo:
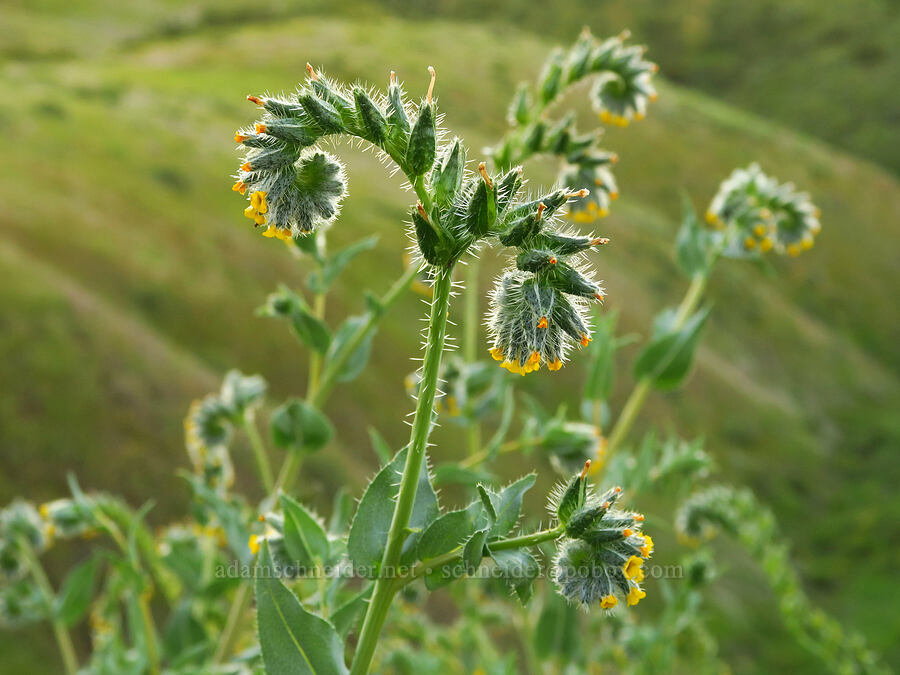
column 647, row 548
column 253, row 544
column 608, row 602
column 632, row 568
column 749, row 243
column 635, row 595
column 554, row 365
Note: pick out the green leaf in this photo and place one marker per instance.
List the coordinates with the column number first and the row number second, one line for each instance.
column 289, row 305
column 473, row 551
column 304, row 537
column 445, row 534
column 370, row 526
column 451, row 473
column 484, row 495
column 320, row 281
column 668, row 358
column 300, row 426
column 76, row 593
column 355, row 363
column 292, row 641
column 508, row 504
column 520, row 569
column 350, row 613
column 692, row 243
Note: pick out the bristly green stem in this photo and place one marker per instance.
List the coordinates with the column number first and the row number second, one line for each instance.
column 259, row 450
column 63, row 639
column 386, row 585
column 639, row 394
column 524, row 541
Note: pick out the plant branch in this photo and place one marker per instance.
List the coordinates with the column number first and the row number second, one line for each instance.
column 63, row 639
column 386, row 585
column 639, row 394
column 259, row 451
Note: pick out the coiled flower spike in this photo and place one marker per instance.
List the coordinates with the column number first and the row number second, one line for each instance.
column 760, row 215
column 538, row 310
column 600, row 560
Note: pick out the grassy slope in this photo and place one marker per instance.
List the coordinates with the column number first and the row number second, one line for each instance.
column 829, row 68
column 128, row 277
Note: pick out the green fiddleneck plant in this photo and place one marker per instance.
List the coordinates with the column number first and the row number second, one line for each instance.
column 345, row 594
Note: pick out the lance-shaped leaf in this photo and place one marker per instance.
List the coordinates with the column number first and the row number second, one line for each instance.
column 292, row 640
column 520, row 569
column 356, row 361
column 507, row 505
column 372, row 522
column 668, row 358
column 76, row 593
column 304, row 537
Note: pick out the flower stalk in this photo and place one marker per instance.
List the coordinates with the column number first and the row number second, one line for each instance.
column 63, row 639
column 386, row 585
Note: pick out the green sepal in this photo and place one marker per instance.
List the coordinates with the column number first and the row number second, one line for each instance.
column 567, row 279
column 373, row 120
column 433, row 247
column 507, row 188
column 422, row 138
column 535, row 260
column 325, row 116
column 520, row 108
column 550, row 80
column 521, row 230
column 482, row 211
column 572, row 499
column 447, row 176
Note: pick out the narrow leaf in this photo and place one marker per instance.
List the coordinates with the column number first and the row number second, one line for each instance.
column 76, row 593
column 292, row 641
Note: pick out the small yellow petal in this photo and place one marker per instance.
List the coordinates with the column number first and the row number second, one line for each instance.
column 608, row 602
column 253, row 544
column 635, row 595
column 749, row 243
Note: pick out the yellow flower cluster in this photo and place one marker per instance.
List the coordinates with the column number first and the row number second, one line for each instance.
column 532, row 363
column 590, row 213
column 258, row 208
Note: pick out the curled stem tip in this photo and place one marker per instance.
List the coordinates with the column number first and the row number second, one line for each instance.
column 312, row 72
column 430, row 92
column 482, row 169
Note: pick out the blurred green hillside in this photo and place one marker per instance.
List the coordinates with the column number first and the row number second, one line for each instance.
column 828, row 68
column 128, row 278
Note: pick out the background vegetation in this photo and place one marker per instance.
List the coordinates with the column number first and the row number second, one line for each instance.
column 128, row 276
